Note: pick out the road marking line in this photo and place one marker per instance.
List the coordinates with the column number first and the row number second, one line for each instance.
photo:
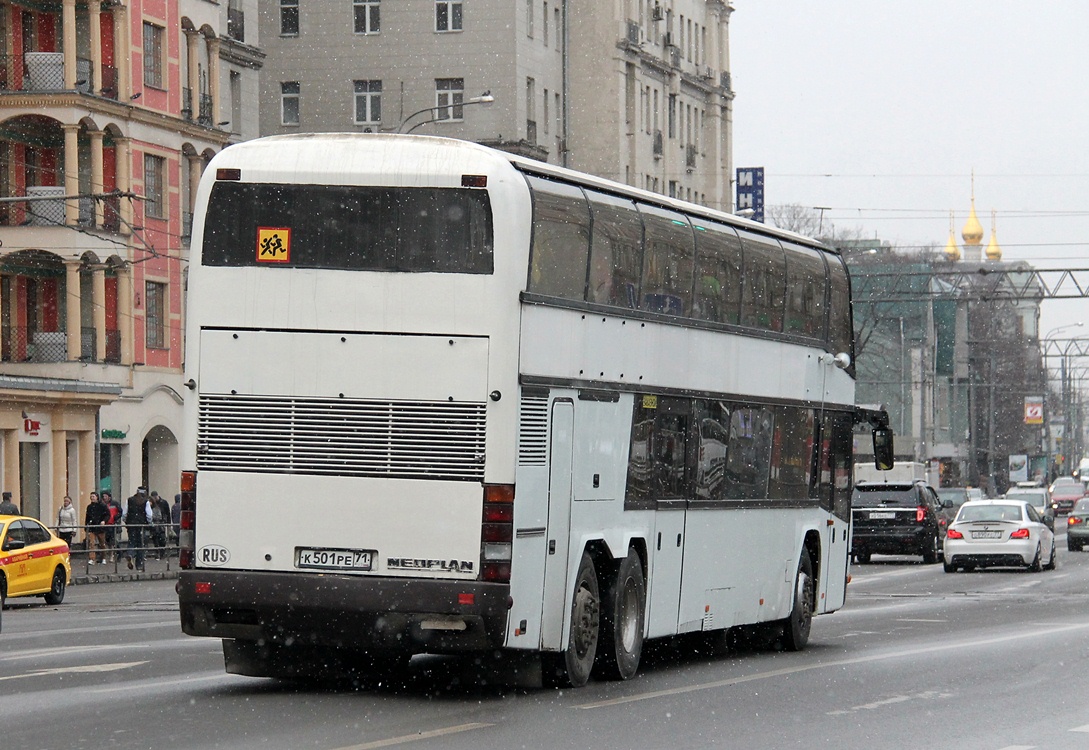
column 418, row 736
column 824, row 665
column 926, row 695
column 87, row 668
column 1082, row 728
column 917, row 619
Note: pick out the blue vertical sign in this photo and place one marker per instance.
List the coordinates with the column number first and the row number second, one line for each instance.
column 750, row 191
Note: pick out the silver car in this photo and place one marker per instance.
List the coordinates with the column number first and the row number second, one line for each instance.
column 1000, row 533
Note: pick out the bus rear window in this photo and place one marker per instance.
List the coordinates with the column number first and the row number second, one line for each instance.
column 441, row 230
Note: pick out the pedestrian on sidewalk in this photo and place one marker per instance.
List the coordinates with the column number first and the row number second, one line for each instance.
column 160, row 518
column 175, row 517
column 95, row 521
column 7, row 507
column 136, row 521
column 113, row 527
column 67, row 521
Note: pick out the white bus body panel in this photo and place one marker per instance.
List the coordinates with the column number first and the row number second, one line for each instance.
column 335, row 365
column 567, row 344
column 259, row 518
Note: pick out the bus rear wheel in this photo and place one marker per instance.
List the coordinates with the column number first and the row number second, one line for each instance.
column 797, row 626
column 624, row 608
column 572, row 667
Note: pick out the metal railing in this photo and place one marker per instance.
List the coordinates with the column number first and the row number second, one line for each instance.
column 159, row 543
column 44, row 71
column 22, row 344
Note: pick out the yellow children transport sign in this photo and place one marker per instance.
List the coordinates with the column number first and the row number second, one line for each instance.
column 273, row 245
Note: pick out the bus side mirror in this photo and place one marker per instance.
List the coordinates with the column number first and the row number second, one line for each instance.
column 882, row 448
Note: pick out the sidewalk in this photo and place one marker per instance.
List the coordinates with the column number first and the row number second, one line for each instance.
column 113, row 572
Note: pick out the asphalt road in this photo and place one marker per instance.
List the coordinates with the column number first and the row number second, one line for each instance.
column 919, row 658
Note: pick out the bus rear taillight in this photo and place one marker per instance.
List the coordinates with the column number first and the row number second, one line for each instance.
column 188, row 522
column 497, row 532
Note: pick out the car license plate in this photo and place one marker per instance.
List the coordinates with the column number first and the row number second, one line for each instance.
column 986, row 534
column 878, row 514
column 333, row 559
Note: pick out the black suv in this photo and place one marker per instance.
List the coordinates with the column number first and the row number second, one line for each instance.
column 895, row 518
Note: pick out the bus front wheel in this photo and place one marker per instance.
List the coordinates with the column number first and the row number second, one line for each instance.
column 624, row 608
column 797, row 626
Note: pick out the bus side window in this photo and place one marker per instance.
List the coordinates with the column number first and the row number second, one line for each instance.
column 792, row 453
column 806, row 290
column 561, row 240
column 718, row 274
column 658, row 457
column 748, row 461
column 668, row 261
column 840, row 331
column 713, row 430
column 764, row 290
column 834, row 468
column 616, row 251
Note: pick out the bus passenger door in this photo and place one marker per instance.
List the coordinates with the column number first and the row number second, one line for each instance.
column 558, row 531
column 834, row 490
column 666, row 554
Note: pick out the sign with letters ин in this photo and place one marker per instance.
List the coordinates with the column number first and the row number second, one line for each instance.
column 750, row 191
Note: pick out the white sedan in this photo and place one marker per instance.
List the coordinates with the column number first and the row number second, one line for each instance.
column 1006, row 532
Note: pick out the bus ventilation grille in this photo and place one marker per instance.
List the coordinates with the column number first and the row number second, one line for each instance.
column 342, row 437
column 533, row 431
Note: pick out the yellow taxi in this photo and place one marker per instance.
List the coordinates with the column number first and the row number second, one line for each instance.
column 33, row 560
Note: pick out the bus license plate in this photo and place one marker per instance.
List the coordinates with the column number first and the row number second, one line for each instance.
column 333, row 559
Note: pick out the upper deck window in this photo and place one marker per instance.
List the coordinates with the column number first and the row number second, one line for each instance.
column 441, row 230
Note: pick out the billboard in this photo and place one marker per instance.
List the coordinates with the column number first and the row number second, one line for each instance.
column 750, row 192
column 1034, row 410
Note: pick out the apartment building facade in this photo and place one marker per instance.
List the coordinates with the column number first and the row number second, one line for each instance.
column 633, row 90
column 108, row 114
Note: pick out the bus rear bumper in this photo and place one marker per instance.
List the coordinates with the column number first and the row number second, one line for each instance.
column 414, row 615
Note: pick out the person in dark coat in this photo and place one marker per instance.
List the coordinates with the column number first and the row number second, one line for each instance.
column 113, row 529
column 96, row 519
column 136, row 525
column 7, row 507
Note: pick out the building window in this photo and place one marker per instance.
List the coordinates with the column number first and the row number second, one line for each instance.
column 153, row 55
column 154, row 168
column 368, row 102
column 531, row 107
column 367, row 16
column 449, row 94
column 155, row 314
column 544, row 25
column 236, row 21
column 289, row 102
column 544, row 112
column 529, row 18
column 556, row 26
column 447, row 15
column 289, row 17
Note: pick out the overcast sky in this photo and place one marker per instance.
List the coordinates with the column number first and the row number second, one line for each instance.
column 880, row 111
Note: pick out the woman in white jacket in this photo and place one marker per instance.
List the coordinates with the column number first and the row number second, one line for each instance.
column 67, row 521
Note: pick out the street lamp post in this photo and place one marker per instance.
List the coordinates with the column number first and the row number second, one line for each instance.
column 486, row 98
column 1063, row 398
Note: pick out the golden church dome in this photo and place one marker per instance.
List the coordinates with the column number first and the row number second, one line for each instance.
column 973, row 230
column 993, row 252
column 952, row 252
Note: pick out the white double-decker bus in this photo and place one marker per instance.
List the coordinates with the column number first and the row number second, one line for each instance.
column 445, row 399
